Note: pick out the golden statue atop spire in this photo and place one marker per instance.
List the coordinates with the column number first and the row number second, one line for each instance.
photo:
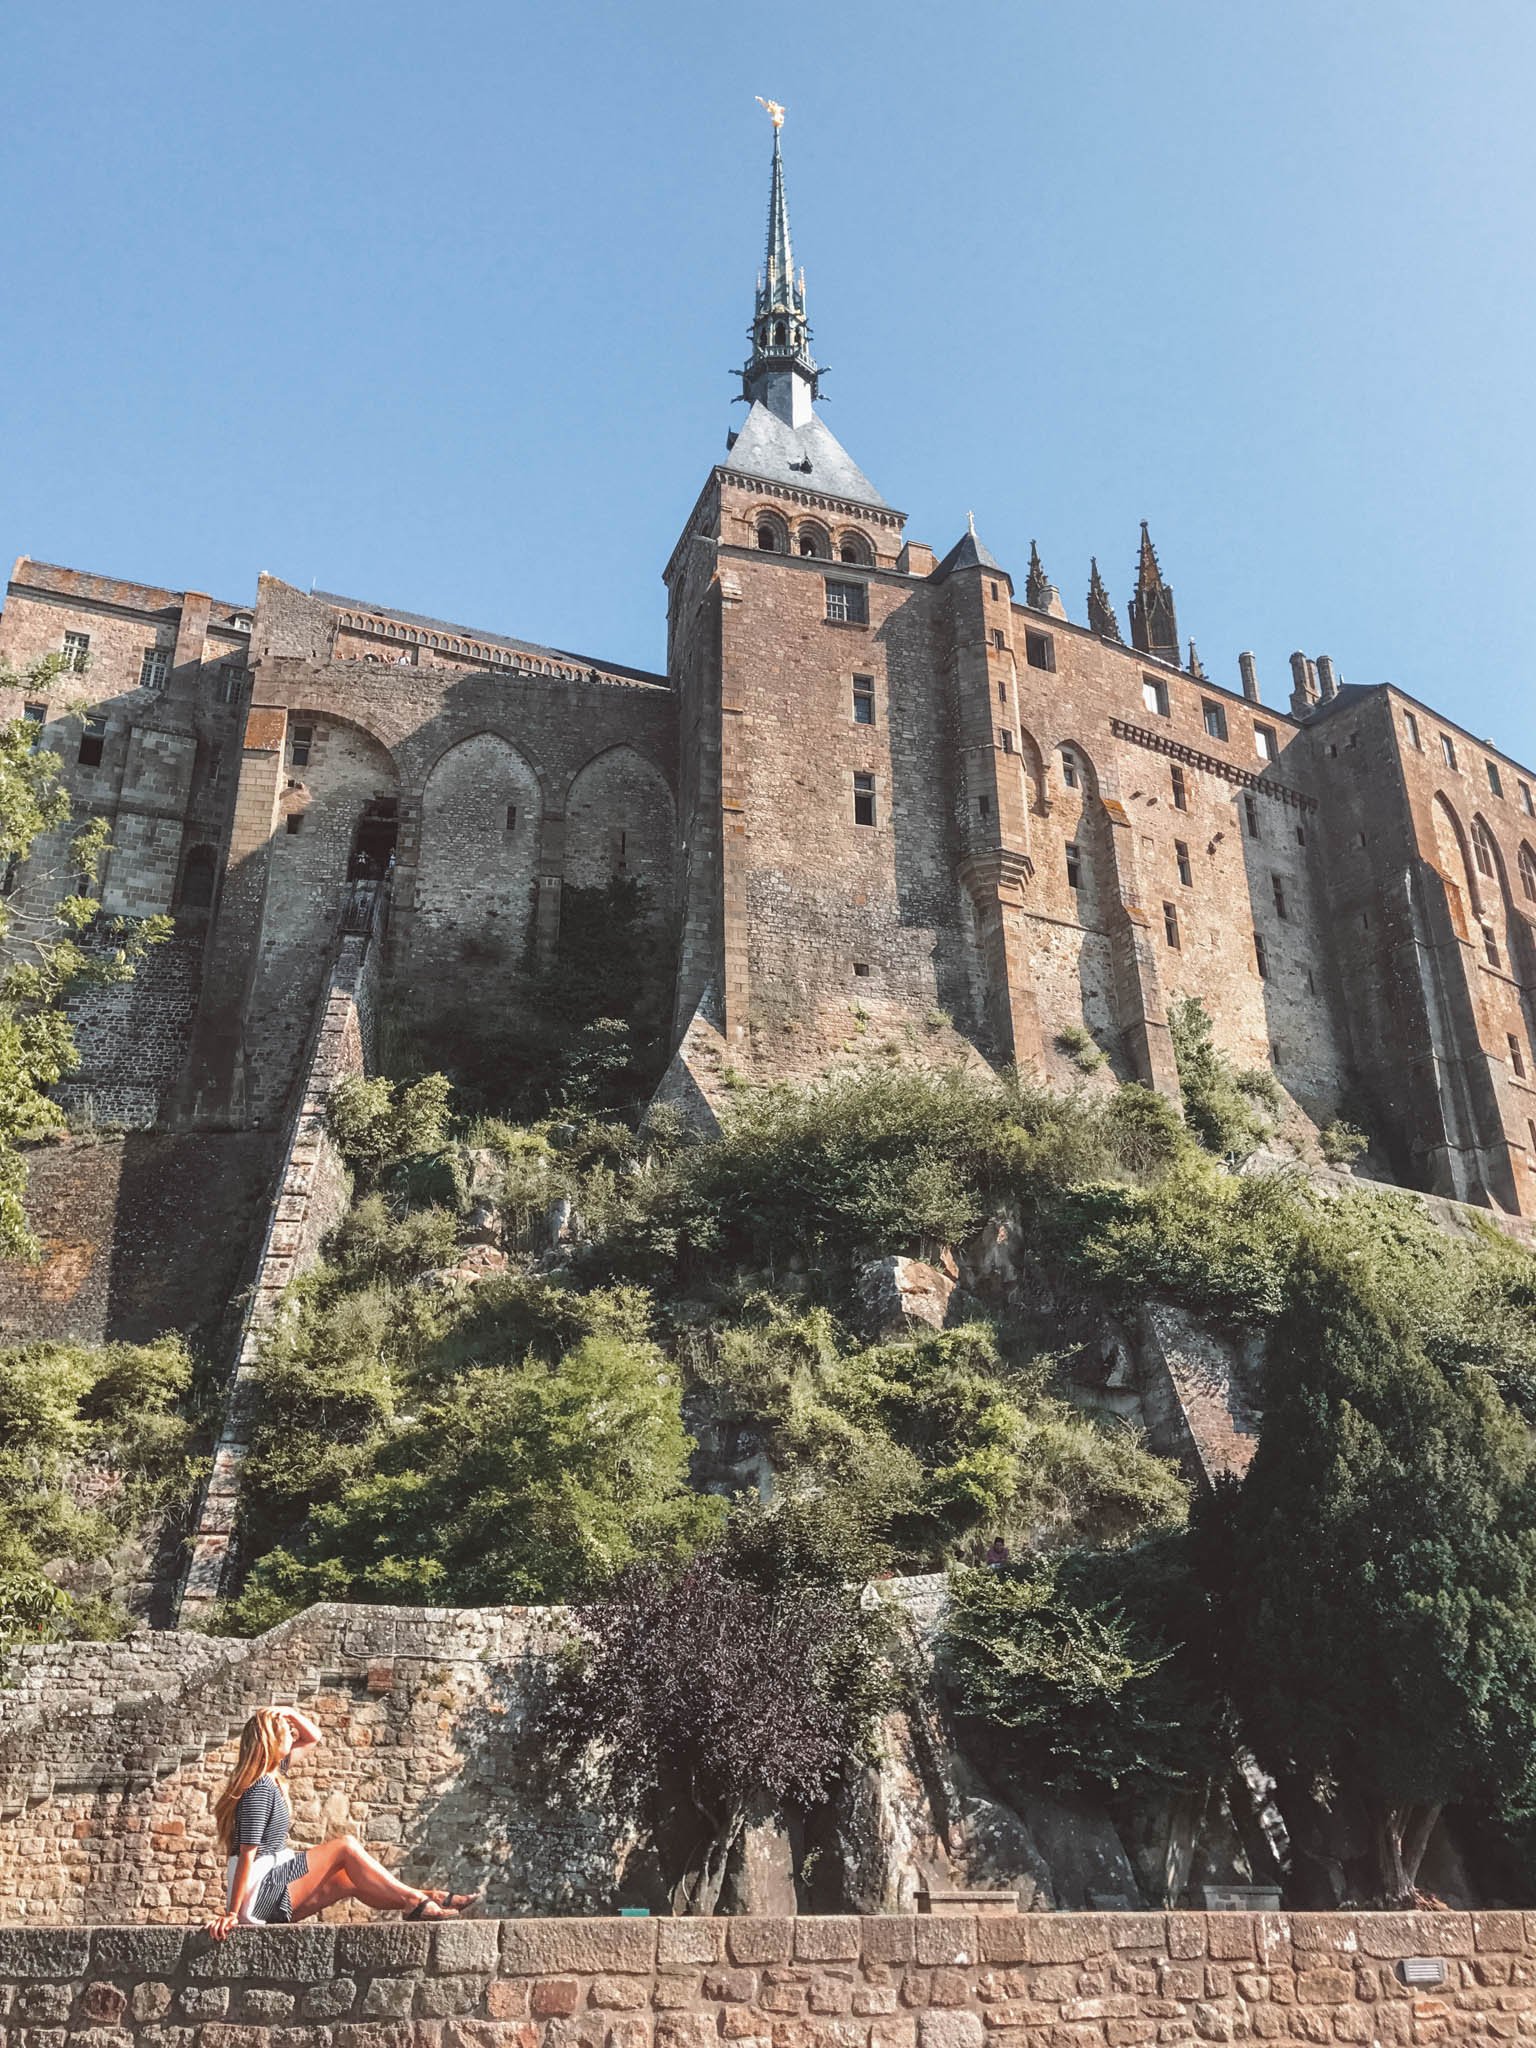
column 772, row 109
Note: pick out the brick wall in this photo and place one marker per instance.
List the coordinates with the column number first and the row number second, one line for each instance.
column 935, row 1981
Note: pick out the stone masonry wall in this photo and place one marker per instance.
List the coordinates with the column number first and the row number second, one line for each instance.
column 928, row 1981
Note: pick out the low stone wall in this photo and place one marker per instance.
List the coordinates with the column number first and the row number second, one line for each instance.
column 1012, row 1981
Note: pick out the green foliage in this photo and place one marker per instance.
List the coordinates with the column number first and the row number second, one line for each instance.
column 1379, row 1565
column 377, row 1124
column 1091, row 1668
column 1080, row 1048
column 1229, row 1111
column 47, row 959
column 93, row 1441
column 1341, row 1142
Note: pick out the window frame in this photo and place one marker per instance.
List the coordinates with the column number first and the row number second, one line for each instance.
column 301, row 744
column 1074, row 859
column 76, row 650
column 1266, row 742
column 1154, row 696
column 1171, row 928
column 1448, row 753
column 1182, row 862
column 93, row 742
column 847, row 601
column 1179, row 784
column 1213, row 716
column 1411, row 727
column 1495, row 780
column 864, row 700
column 1041, row 643
column 864, row 799
column 1277, row 892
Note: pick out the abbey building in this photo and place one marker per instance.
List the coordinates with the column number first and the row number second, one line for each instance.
column 880, row 796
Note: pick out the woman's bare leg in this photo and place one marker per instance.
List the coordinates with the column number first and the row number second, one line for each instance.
column 343, row 1869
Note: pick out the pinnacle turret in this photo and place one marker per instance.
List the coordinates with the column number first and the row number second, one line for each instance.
column 1154, row 628
column 781, row 372
column 1101, row 613
column 1037, row 585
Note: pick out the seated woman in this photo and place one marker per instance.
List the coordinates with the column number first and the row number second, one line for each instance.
column 265, row 1879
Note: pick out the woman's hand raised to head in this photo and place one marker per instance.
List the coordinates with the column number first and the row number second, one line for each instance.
column 306, row 1733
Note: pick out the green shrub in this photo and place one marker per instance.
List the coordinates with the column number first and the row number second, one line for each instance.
column 1229, row 1112
column 1079, row 1046
column 1341, row 1142
column 376, row 1124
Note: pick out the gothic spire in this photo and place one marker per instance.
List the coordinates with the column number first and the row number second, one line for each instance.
column 1154, row 628
column 1196, row 666
column 781, row 372
column 1101, row 613
column 1037, row 585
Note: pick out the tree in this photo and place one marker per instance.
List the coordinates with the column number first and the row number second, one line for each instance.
column 1377, row 1571
column 733, row 1691
column 46, row 959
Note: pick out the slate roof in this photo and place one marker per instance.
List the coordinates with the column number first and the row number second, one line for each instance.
column 968, row 553
column 768, row 447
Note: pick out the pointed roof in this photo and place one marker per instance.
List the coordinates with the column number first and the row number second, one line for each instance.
column 805, row 458
column 1154, row 624
column 1037, row 587
column 777, row 290
column 1101, row 613
column 968, row 552
column 1149, row 575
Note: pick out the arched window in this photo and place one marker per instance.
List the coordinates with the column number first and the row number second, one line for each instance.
column 853, row 547
column 779, row 336
column 1528, row 872
column 1482, row 850
column 767, row 539
column 772, row 534
column 197, row 879
column 814, row 541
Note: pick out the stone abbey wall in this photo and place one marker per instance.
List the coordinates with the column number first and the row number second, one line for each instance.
column 938, row 1981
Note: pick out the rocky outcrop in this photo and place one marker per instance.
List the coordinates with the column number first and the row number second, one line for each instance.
column 898, row 1296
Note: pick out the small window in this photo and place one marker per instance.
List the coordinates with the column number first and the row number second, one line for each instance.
column 215, row 766
column 814, row 543
column 92, row 741
column 984, row 805
column 230, row 675
column 995, row 591
column 1311, row 983
column 1482, row 850
column 1359, row 839
column 852, row 549
column 511, row 817
column 1528, row 873
column 1171, row 924
column 1181, row 855
column 1260, row 957
column 1069, row 769
column 861, row 969
column 1530, row 1125
column 1301, row 835
column 1040, row 651
column 768, row 538
column 1265, row 744
column 863, row 700
column 154, row 668
column 1250, row 814
column 847, row 604
column 1491, row 947
column 1005, row 739
column 300, row 740
column 1074, row 866
column 1516, row 1056
column 1448, row 749
column 863, row 799
column 1411, row 727
column 1494, row 782
column 1215, row 717
column 999, row 639
column 35, row 713
column 1277, row 888
column 1526, row 804
column 77, row 650
column 1154, row 694
column 295, row 823
column 1002, row 692
column 1180, row 790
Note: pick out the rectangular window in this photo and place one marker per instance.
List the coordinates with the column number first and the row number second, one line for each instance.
column 300, row 740
column 995, row 591
column 1265, row 744
column 861, row 969
column 984, row 805
column 1040, row 650
column 863, row 799
column 1491, row 947
column 215, row 766
column 1002, row 692
column 1074, row 866
column 1068, row 768
column 1154, row 694
column 77, row 649
column 511, row 817
column 1250, row 815
column 35, row 713
column 1215, row 717
column 1301, row 835
column 863, row 700
column 230, row 673
column 1448, row 749
column 999, row 639
column 1005, row 739
column 1181, row 855
column 1411, row 727
column 154, row 668
column 295, row 823
column 92, row 741
column 1516, row 1057
column 847, row 604
column 1526, row 804
column 1171, row 924
column 1180, row 792
column 1278, row 889
column 1494, row 783
column 1260, row 957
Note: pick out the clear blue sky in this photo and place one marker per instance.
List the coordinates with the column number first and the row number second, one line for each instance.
column 435, row 304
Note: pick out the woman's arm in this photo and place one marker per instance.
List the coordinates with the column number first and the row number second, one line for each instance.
column 240, row 1896
column 306, row 1733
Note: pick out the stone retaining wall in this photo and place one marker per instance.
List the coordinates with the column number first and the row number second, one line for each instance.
column 1006, row 1981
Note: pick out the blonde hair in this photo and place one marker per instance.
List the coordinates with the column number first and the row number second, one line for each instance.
column 261, row 1750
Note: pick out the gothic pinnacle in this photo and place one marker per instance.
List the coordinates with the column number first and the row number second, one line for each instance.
column 1037, row 585
column 1154, row 628
column 1101, row 613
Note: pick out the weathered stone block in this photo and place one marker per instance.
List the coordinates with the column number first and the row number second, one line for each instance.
column 617, row 1994
column 300, row 1955
column 554, row 1997
column 950, row 2030
column 43, row 1952
column 465, row 1945
column 448, row 1996
column 945, row 1938
column 388, row 1998
column 1229, row 1937
column 689, row 1941
column 889, row 1939
column 751, row 1941
column 330, row 2000
column 825, row 1938
column 130, row 1951
column 1067, row 1937
column 1324, row 1987
column 1002, row 1938
column 545, row 1948
column 1498, row 1931
column 1186, row 1935
column 383, row 1945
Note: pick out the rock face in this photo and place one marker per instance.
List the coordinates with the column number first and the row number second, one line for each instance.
column 898, row 1296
